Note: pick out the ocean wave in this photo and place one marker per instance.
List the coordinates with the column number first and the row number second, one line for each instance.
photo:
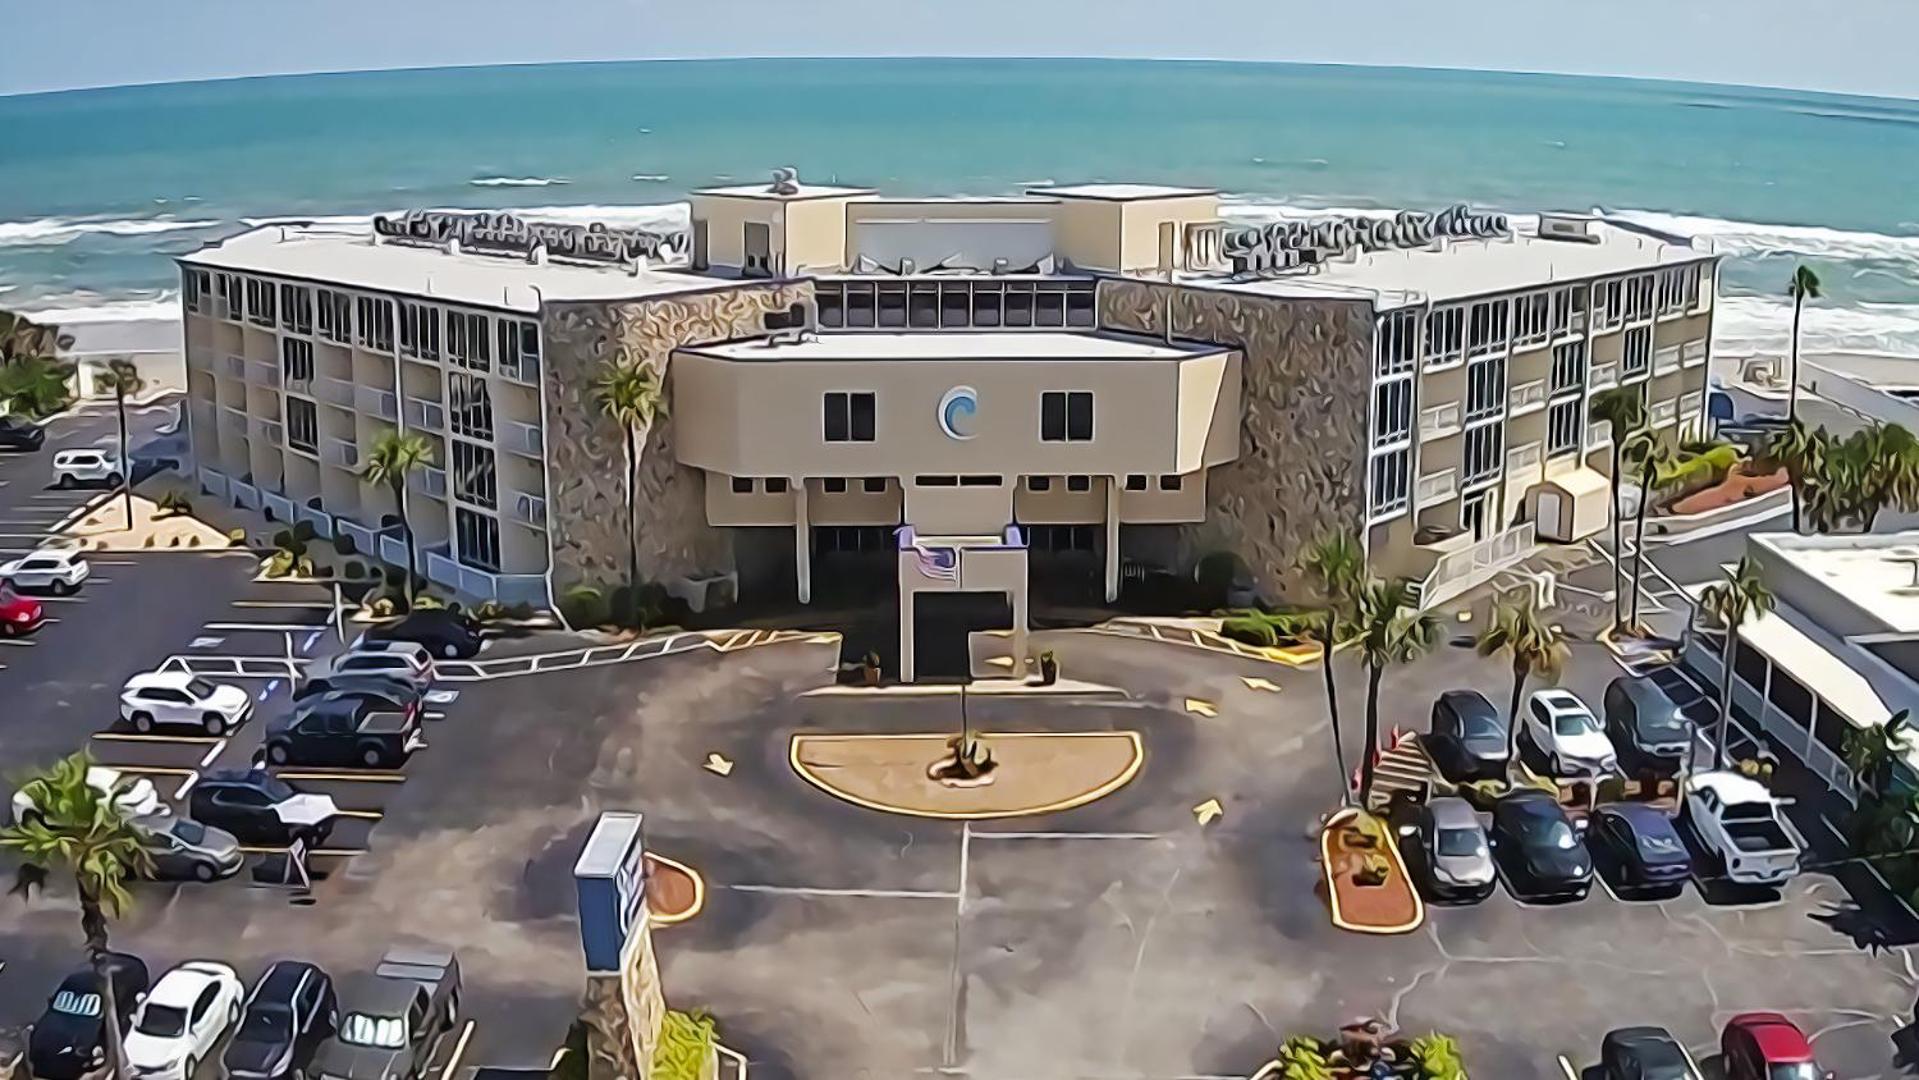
column 519, row 181
column 1744, row 325
column 51, row 231
column 651, row 178
column 1753, row 239
column 93, row 308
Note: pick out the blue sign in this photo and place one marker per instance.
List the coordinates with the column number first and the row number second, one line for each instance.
column 611, row 881
column 957, row 409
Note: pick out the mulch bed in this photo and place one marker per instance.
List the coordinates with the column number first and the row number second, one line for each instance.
column 669, row 891
column 1388, row 908
column 1739, row 485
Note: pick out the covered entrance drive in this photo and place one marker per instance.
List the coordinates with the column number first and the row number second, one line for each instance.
column 951, row 586
column 943, row 622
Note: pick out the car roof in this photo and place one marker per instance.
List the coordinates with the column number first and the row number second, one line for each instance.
column 1555, row 698
column 1644, row 691
column 1468, row 701
column 379, row 996
column 1779, row 1039
column 1452, row 812
column 1730, row 786
column 63, row 554
column 174, row 680
column 329, row 703
column 282, row 979
column 1529, row 800
column 179, row 986
column 1640, row 816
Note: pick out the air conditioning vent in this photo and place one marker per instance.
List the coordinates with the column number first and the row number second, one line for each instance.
column 1567, row 227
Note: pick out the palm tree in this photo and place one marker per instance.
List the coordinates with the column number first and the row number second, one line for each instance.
column 1390, row 629
column 1800, row 452
column 76, row 828
column 1869, row 751
column 1623, row 413
column 1652, row 454
column 34, row 385
column 124, row 381
column 1804, row 286
column 1733, row 601
column 393, row 458
column 1335, row 564
column 1536, row 648
column 632, row 396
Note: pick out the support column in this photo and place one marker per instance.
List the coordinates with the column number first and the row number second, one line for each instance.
column 1018, row 598
column 906, row 635
column 802, row 542
column 1112, row 538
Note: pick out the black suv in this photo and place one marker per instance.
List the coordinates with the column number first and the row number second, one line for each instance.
column 290, row 1010
column 1469, row 738
column 259, row 808
column 20, row 433
column 441, row 632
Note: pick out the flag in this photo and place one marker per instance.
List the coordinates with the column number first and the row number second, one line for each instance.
column 940, row 564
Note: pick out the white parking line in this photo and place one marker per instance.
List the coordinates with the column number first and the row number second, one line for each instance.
column 186, row 785
column 459, row 1051
column 205, row 641
column 212, row 753
column 1571, row 1073
column 876, row 894
column 18, row 643
column 280, row 628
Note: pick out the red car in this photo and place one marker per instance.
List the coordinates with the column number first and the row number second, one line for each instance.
column 1767, row 1046
column 19, row 614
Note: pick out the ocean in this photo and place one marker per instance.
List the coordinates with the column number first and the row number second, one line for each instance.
column 99, row 188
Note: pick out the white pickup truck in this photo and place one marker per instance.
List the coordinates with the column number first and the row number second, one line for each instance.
column 1738, row 822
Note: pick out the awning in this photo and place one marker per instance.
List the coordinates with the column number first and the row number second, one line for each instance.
column 1578, row 483
column 1846, row 691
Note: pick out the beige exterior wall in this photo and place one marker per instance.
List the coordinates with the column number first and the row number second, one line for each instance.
column 815, row 238
column 1087, row 233
column 804, row 235
column 1140, row 221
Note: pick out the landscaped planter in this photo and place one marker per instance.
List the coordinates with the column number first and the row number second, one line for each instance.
column 1367, row 886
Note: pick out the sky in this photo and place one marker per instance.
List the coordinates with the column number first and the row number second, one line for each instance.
column 1858, row 46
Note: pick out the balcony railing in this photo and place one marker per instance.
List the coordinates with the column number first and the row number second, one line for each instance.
column 506, row 588
column 376, row 402
column 320, row 520
column 279, row 506
column 425, row 415
column 1523, row 459
column 235, row 419
column 334, row 391
column 530, row 510
column 364, row 540
column 340, row 452
column 1439, row 420
column 393, row 550
column 429, row 481
column 1598, row 434
column 213, row 482
column 1689, row 405
column 522, row 439
column 1693, row 353
column 1527, row 397
column 1664, row 412
column 1605, row 375
column 1438, row 487
column 271, row 431
column 1458, row 571
column 246, row 495
column 1666, row 360
column 264, row 373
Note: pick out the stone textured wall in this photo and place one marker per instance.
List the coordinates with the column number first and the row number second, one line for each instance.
column 585, row 501
column 1306, row 376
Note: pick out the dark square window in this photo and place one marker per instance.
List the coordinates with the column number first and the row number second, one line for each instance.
column 849, row 417
column 1039, row 483
column 1170, row 482
column 775, row 485
column 1136, row 482
column 874, row 485
column 834, row 485
column 1079, row 483
column 831, row 304
column 1079, row 416
column 892, row 304
column 742, row 485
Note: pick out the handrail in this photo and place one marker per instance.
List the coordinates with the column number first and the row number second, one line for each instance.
column 1457, row 571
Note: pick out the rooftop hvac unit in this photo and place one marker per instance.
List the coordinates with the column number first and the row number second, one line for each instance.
column 908, row 267
column 1567, row 227
column 1000, row 266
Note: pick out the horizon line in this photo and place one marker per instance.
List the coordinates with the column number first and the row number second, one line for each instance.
column 1341, row 64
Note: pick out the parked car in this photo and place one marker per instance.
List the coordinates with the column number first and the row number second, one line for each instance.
column 1737, row 821
column 1568, row 733
column 390, row 695
column 1469, row 738
column 178, row 699
column 69, row 1039
column 132, row 796
column 19, row 614
column 19, row 433
column 260, row 808
column 342, row 731
column 182, row 1020
column 1644, row 1053
column 87, row 465
column 1767, row 1046
column 290, row 1010
column 394, row 1020
column 398, row 659
column 55, row 569
column 1446, row 850
column 1647, row 728
column 1643, row 843
column 183, row 849
column 380, row 685
column 441, row 632
column 1538, row 847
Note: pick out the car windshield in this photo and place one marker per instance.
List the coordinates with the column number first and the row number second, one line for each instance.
column 1798, row 1070
column 1461, row 843
column 276, row 789
column 1574, row 723
column 1652, row 843
column 264, row 1022
column 1547, row 831
column 162, row 1021
column 386, row 1032
column 200, row 688
column 1482, row 726
column 72, row 1004
column 189, row 832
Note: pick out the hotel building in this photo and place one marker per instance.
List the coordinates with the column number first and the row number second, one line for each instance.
column 869, row 394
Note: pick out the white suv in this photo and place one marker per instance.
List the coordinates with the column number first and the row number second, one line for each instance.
column 175, row 698
column 48, row 568
column 1568, row 733
column 88, row 465
column 402, row 660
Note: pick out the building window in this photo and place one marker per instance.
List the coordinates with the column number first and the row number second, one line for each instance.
column 197, row 288
column 519, row 349
column 1066, row 416
column 1569, row 310
column 1049, row 304
column 986, row 304
column 1171, row 482
column 296, row 308
column 1136, row 482
column 859, row 305
column 901, row 304
column 1639, row 297
column 260, row 302
column 479, row 538
column 979, row 480
column 1392, row 482
column 1486, row 327
column 1637, row 351
column 467, row 341
column 1791, row 697
column 1080, row 305
column 1019, row 303
column 742, row 485
column 1392, row 412
column 1398, row 343
column 1750, row 665
column 474, row 479
column 834, row 485
column 1484, row 445
column 758, row 244
column 1692, row 285
column 874, row 485
column 420, row 331
column 1485, row 388
column 1610, row 298
column 1079, row 483
column 376, row 324
column 303, row 425
column 469, row 405
column 849, row 417
column 956, row 305
column 230, row 306
column 1562, row 428
column 1039, row 483
column 829, row 300
column 1533, row 314
column 1445, row 335
column 776, row 485
column 936, row 481
column 296, row 361
column 336, row 316
column 1569, row 367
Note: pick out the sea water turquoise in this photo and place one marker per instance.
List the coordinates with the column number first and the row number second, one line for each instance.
column 99, row 188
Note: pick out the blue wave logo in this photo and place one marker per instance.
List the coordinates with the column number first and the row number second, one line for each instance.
column 957, row 409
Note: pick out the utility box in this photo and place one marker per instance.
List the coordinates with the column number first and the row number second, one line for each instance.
column 611, row 880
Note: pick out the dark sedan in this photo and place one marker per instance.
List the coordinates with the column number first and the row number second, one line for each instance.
column 1538, row 848
column 290, row 1010
column 1644, row 1053
column 1469, row 738
column 441, row 632
column 1647, row 728
column 68, row 1040
column 20, row 433
column 1642, row 844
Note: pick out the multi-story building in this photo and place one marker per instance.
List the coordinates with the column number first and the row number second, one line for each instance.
column 1072, row 387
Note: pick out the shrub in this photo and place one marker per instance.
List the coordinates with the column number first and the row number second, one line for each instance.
column 1438, row 1057
column 354, row 569
column 1697, row 471
column 237, row 537
column 686, row 1042
column 382, row 607
column 303, row 565
column 1373, row 870
column 279, row 564
column 1302, row 1057
column 303, row 531
column 283, row 539
column 584, row 607
column 1249, row 629
column 343, row 544
column 172, row 503
column 427, row 602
